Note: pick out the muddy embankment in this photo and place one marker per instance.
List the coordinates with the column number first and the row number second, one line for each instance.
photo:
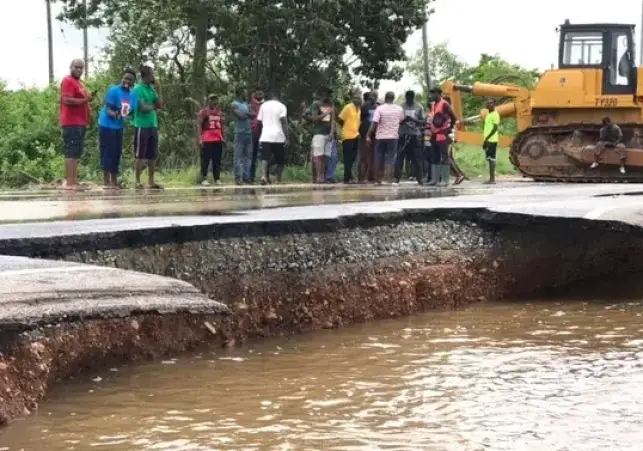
column 295, row 277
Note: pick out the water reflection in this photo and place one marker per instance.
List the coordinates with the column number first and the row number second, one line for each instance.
column 539, row 376
column 210, row 201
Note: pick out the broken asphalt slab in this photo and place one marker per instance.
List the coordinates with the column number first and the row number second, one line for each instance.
column 35, row 292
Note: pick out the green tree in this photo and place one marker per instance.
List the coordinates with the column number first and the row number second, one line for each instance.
column 443, row 65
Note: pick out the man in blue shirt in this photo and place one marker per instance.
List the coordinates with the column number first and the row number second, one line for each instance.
column 242, row 137
column 119, row 100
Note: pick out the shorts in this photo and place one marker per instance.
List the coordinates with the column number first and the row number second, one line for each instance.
column 110, row 144
column 385, row 151
column 273, row 152
column 321, row 146
column 490, row 151
column 146, row 143
column 74, row 141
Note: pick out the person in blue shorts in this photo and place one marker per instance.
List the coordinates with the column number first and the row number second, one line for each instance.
column 111, row 122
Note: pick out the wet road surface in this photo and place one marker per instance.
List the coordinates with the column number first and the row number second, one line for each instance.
column 514, row 376
column 48, row 206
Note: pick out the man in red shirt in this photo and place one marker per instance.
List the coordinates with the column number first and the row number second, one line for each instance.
column 209, row 127
column 74, row 119
column 255, row 105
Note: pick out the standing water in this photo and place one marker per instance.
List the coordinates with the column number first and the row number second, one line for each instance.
column 513, row 376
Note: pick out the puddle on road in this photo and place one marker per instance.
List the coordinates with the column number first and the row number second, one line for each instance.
column 203, row 202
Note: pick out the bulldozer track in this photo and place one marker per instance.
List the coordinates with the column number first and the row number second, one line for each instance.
column 551, row 133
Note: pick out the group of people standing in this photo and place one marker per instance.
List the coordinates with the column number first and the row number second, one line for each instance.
column 380, row 136
column 260, row 135
column 385, row 136
column 140, row 101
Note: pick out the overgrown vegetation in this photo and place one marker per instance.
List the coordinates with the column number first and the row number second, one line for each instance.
column 216, row 46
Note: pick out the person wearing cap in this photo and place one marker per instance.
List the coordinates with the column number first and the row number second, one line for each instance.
column 442, row 119
column 209, row 126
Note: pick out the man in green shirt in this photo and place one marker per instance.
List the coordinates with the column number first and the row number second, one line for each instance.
column 146, row 139
column 491, row 135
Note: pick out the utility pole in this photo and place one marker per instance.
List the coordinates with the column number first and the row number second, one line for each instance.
column 425, row 49
column 85, row 41
column 50, row 42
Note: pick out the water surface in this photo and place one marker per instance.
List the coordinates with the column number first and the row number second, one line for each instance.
column 514, row 376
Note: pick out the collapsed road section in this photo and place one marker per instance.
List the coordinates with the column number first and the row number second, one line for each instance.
column 121, row 291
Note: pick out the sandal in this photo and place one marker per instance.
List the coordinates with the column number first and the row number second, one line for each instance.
column 156, row 186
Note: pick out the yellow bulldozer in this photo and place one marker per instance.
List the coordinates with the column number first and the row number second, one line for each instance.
column 558, row 122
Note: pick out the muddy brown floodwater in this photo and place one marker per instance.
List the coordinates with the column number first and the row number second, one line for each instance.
column 512, row 376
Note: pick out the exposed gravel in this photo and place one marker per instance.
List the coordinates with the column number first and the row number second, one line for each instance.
column 298, row 252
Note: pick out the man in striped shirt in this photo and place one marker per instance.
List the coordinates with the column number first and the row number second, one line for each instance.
column 386, row 128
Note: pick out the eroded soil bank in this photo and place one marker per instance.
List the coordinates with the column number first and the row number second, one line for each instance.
column 286, row 281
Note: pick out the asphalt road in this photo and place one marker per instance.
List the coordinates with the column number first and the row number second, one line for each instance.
column 614, row 202
column 34, row 292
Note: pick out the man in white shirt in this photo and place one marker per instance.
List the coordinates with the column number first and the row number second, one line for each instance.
column 274, row 136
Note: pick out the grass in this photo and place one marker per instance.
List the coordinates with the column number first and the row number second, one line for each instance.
column 470, row 159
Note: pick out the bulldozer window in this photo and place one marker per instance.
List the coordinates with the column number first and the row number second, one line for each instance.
column 620, row 65
column 583, row 48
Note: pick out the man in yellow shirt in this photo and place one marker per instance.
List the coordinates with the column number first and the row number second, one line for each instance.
column 491, row 135
column 349, row 119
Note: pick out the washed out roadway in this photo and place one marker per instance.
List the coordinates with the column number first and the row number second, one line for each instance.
column 36, row 291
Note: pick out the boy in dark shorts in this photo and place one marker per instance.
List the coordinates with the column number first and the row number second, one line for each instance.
column 146, row 139
column 274, row 136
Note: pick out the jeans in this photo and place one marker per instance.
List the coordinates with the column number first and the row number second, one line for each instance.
column 242, row 157
column 385, row 151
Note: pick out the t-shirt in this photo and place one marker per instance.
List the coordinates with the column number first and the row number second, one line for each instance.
column 73, row 114
column 211, row 125
column 351, row 116
column 611, row 134
column 368, row 111
column 270, row 115
column 411, row 128
column 492, row 119
column 388, row 117
column 146, row 93
column 118, row 99
column 241, row 126
column 254, row 107
column 322, row 127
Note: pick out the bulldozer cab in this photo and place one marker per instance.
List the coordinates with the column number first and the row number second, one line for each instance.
column 607, row 47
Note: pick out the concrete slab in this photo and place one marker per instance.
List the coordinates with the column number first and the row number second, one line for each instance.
column 41, row 291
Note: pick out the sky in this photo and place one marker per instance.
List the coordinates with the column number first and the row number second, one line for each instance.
column 470, row 27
